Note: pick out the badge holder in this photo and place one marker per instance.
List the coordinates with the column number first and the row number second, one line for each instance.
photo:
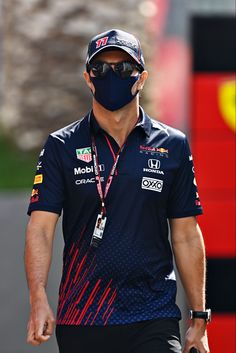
column 98, row 230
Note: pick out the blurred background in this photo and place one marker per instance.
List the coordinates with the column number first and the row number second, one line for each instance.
column 189, row 46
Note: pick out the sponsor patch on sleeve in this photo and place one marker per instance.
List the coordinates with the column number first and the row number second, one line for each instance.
column 34, row 196
column 42, row 153
column 38, row 179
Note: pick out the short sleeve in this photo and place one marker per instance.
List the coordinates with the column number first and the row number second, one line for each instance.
column 184, row 199
column 48, row 187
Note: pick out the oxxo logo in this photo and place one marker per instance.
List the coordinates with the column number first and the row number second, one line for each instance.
column 87, row 170
column 152, row 184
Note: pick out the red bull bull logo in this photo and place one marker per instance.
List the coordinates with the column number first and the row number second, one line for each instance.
column 34, row 195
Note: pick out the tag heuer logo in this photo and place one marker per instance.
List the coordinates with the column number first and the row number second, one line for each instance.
column 84, row 154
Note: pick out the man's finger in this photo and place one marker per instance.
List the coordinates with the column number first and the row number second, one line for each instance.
column 39, row 336
column 50, row 327
column 44, row 338
column 31, row 335
column 31, row 340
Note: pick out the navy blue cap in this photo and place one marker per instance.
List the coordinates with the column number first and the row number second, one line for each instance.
column 116, row 38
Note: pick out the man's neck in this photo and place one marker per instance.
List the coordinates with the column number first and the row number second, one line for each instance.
column 119, row 123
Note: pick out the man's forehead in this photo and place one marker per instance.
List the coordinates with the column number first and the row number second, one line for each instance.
column 114, row 55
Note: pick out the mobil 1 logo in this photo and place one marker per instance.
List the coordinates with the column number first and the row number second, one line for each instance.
column 88, row 169
column 152, row 184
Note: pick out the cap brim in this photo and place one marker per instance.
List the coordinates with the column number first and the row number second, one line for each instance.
column 106, row 48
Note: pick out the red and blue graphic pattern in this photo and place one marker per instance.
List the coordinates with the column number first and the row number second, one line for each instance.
column 76, row 286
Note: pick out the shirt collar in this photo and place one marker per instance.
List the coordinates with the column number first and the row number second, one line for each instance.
column 144, row 122
column 93, row 123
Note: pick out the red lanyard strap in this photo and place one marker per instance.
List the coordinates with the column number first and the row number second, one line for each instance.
column 98, row 175
column 112, row 172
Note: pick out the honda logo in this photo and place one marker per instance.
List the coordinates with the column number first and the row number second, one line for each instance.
column 154, row 163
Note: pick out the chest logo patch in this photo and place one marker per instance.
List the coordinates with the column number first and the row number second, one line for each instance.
column 160, row 151
column 84, row 154
column 154, row 163
column 152, row 184
column 153, row 167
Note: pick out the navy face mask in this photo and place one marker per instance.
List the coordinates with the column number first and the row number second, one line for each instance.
column 112, row 91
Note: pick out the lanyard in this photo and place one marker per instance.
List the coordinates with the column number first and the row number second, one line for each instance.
column 98, row 175
column 112, row 172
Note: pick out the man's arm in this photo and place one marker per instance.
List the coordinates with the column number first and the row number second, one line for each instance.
column 38, row 254
column 189, row 251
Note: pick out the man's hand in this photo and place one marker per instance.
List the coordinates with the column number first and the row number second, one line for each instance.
column 41, row 321
column 196, row 337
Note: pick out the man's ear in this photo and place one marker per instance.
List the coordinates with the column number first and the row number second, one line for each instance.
column 89, row 82
column 138, row 86
column 142, row 79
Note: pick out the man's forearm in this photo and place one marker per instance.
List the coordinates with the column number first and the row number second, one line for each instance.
column 191, row 265
column 189, row 251
column 38, row 253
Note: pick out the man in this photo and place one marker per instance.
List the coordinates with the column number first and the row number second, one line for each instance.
column 118, row 288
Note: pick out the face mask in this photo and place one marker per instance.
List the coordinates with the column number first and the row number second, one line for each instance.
column 113, row 92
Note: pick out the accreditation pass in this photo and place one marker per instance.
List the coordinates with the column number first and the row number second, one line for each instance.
column 98, row 230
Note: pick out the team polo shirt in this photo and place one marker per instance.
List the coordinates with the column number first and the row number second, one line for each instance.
column 129, row 277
